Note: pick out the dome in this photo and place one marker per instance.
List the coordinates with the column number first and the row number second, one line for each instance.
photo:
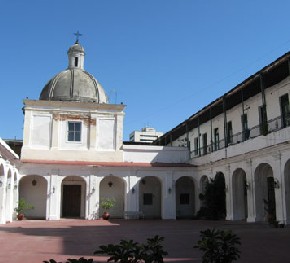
column 74, row 84
column 76, row 48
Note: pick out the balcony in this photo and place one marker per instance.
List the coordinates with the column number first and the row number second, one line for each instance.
column 265, row 129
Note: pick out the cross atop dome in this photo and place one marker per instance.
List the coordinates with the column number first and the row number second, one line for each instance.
column 77, row 34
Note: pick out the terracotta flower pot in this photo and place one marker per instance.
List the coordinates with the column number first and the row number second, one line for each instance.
column 20, row 216
column 105, row 215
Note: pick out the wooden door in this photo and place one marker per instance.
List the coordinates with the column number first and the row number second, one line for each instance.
column 71, row 201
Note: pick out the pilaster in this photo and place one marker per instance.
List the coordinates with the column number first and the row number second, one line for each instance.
column 250, row 181
column 54, row 197
column 229, row 193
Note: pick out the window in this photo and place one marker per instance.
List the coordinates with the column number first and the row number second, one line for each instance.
column 184, row 199
column 204, row 143
column 76, row 61
column 229, row 132
column 147, row 199
column 245, row 129
column 285, row 111
column 263, row 120
column 74, row 131
column 216, row 139
column 196, row 146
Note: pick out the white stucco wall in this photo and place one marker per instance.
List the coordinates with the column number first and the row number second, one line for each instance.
column 155, row 154
column 46, row 130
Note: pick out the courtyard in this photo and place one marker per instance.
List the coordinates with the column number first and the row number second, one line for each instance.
column 35, row 240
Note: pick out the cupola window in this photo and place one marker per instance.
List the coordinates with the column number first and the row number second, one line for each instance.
column 74, row 131
column 76, row 61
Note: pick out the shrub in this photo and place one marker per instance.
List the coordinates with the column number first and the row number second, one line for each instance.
column 128, row 251
column 219, row 246
column 133, row 252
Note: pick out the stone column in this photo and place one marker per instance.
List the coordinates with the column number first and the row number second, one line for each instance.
column 250, row 177
column 95, row 205
column 92, row 192
column 132, row 202
column 168, row 198
column 279, row 185
column 54, row 196
column 229, row 193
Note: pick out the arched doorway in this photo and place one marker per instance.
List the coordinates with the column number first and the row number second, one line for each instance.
column 33, row 189
column 220, row 194
column 73, row 197
column 185, row 201
column 287, row 190
column 240, row 205
column 150, row 197
column 265, row 193
column 113, row 187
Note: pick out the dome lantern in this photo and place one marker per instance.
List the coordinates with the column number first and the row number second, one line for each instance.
column 76, row 54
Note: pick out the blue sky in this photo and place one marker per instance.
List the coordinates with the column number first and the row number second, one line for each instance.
column 164, row 59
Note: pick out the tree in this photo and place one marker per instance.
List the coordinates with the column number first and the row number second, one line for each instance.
column 214, row 199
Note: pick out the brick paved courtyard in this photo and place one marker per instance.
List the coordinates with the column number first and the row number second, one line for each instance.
column 34, row 241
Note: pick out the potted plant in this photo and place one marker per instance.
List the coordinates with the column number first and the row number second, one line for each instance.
column 22, row 206
column 106, row 204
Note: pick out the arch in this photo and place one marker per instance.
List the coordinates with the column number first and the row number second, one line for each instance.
column 113, row 187
column 287, row 190
column 264, row 193
column 150, row 197
column 33, row 188
column 73, row 192
column 185, row 198
column 220, row 185
column 240, row 205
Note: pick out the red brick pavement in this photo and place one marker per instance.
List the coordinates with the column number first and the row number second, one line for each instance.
column 32, row 241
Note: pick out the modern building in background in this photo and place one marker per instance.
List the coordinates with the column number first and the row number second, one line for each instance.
column 145, row 135
column 73, row 153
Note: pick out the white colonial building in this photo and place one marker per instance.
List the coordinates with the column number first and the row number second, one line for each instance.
column 73, row 153
column 244, row 136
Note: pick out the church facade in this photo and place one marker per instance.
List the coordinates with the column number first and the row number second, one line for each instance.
column 73, row 153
